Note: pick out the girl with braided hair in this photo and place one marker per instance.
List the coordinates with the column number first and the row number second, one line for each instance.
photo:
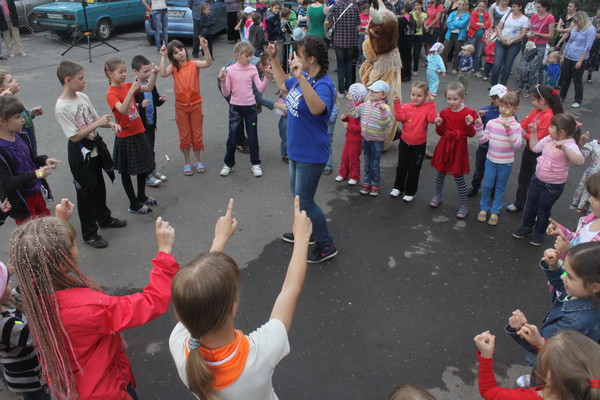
column 75, row 325
column 310, row 101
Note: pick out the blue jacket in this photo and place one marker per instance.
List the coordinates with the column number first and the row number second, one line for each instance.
column 580, row 315
column 462, row 23
column 465, row 62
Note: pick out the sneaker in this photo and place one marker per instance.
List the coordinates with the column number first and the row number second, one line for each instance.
column 454, row 72
column 327, row 171
column 115, row 223
column 522, row 232
column 226, row 170
column 340, row 95
column 478, row 75
column 97, row 242
column 408, row 199
column 160, row 176
column 435, row 202
column 152, row 181
column 523, row 381
column 462, row 212
column 317, row 255
column 339, row 178
column 493, row 220
column 575, row 105
column 536, row 240
column 472, row 191
column 289, row 237
column 365, row 189
column 395, row 193
column 374, row 191
column 256, row 170
column 513, row 208
column 485, row 78
column 352, row 182
column 482, row 216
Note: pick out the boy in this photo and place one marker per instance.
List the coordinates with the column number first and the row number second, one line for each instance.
column 552, row 69
column 487, row 114
column 465, row 65
column 273, row 30
column 22, row 173
column 147, row 103
column 286, row 30
column 257, row 36
column 302, row 14
column 87, row 152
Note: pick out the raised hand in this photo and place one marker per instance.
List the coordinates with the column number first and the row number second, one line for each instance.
column 163, row 50
column 554, row 228
column 562, row 244
column 438, row 120
column 302, row 226
column 36, row 111
column 469, row 120
column 478, row 122
column 224, row 229
column 65, row 209
column 272, row 50
column 517, row 320
column 296, row 68
column 485, row 342
column 5, row 206
column 155, row 69
column 203, row 42
column 165, row 235
column 222, row 75
column 533, row 129
column 584, row 138
column 551, row 257
column 532, row 335
column 135, row 85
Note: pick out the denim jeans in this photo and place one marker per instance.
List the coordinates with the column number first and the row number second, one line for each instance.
column 160, row 20
column 283, row 134
column 304, row 180
column 346, row 60
column 331, row 129
column 249, row 117
column 480, row 159
column 540, row 199
column 504, row 57
column 498, row 173
column 477, row 42
column 372, row 150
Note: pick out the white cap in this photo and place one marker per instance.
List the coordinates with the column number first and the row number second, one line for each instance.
column 498, row 90
column 436, row 48
column 249, row 10
column 380, row 86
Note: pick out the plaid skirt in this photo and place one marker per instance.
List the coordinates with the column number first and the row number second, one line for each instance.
column 132, row 155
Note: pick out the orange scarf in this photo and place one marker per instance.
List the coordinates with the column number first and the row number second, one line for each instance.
column 227, row 362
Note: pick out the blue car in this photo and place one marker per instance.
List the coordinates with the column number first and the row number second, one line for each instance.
column 181, row 23
column 66, row 17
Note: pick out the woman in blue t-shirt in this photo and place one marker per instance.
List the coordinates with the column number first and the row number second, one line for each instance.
column 310, row 100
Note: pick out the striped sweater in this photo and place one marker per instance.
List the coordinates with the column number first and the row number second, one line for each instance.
column 502, row 143
column 373, row 121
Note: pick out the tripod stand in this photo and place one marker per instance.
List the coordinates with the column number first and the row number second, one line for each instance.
column 87, row 34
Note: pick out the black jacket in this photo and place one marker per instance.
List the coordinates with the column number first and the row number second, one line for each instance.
column 157, row 103
column 84, row 171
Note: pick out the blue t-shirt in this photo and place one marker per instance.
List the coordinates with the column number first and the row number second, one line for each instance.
column 307, row 134
column 149, row 109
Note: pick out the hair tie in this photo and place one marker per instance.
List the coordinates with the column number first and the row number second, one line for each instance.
column 194, row 343
column 106, row 66
column 594, row 383
column 578, row 124
column 554, row 92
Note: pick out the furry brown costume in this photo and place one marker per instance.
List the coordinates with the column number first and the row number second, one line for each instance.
column 382, row 58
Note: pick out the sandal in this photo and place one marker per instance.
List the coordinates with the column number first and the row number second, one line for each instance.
column 150, row 202
column 143, row 210
column 187, row 170
column 200, row 167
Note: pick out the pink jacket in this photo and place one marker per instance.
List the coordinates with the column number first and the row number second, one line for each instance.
column 583, row 221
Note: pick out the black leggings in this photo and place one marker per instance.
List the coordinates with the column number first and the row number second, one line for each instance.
column 135, row 203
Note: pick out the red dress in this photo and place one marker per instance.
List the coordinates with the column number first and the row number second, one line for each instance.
column 451, row 155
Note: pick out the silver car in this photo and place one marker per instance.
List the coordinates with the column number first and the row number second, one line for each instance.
column 26, row 15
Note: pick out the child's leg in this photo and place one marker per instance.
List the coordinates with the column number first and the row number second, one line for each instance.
column 377, row 151
column 462, row 189
column 234, row 121
column 434, row 80
column 416, row 154
column 548, row 196
column 185, row 132
column 250, row 119
column 37, row 208
column 439, row 183
column 480, row 161
column 531, row 207
column 368, row 157
column 354, row 159
column 502, row 175
column 196, row 117
column 344, row 170
column 487, row 69
column 283, row 134
column 134, row 204
column 488, row 185
column 402, row 168
column 195, row 39
column 528, row 164
column 209, row 39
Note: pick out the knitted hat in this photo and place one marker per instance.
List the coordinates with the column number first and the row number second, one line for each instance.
column 3, row 278
column 358, row 92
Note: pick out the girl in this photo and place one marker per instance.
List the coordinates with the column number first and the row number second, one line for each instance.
column 559, row 149
column 504, row 137
column 188, row 102
column 350, row 164
column 212, row 358
column 415, row 117
column 454, row 124
column 591, row 152
column 547, row 104
column 480, row 21
column 75, row 325
column 435, row 64
column 406, row 32
column 568, row 365
column 238, row 80
column 205, row 30
column 132, row 154
column 410, row 392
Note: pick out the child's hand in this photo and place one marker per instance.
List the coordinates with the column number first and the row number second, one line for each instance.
column 430, row 97
column 224, row 229
column 485, row 343
column 517, row 320
column 584, row 138
column 532, row 335
column 396, row 97
column 280, row 107
column 7, row 93
column 478, row 122
column 506, row 125
column 155, row 69
column 5, row 206
column 302, row 226
column 349, row 97
column 145, row 103
column 438, row 120
column 268, row 73
column 554, row 228
column 272, row 50
column 135, row 85
column 116, row 128
column 162, row 98
column 562, row 244
column 345, row 124
column 36, row 111
column 469, row 120
column 382, row 107
column 52, row 162
column 165, row 235
column 551, row 257
column 444, row 74
column 222, row 76
column 65, row 209
column 103, row 120
column 296, row 69
column 203, row 42
column 532, row 129
column 163, row 50
column 42, row 172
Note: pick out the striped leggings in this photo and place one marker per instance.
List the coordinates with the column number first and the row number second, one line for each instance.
column 460, row 183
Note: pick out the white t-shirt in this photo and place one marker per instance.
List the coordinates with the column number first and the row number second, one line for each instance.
column 513, row 27
column 158, row 5
column 268, row 345
column 74, row 115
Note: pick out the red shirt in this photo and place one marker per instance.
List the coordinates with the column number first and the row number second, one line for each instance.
column 130, row 122
column 451, row 155
column 488, row 386
column 541, row 119
column 415, row 121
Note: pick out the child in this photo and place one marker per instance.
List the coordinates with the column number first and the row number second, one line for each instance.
column 591, row 152
column 75, row 325
column 281, row 110
column 454, row 124
column 331, row 129
column 504, row 136
column 237, row 79
column 410, row 392
column 22, row 173
column 257, row 35
column 568, row 363
column 206, row 299
column 188, row 103
column 465, row 65
column 147, row 103
column 547, row 104
column 375, row 117
column 131, row 154
column 273, row 29
column 302, row 18
column 552, row 69
column 486, row 114
column 286, row 35
column 415, row 117
column 528, row 73
column 558, row 151
column 406, row 32
column 490, row 50
column 350, row 164
column 206, row 23
column 9, row 87
column 87, row 153
column 365, row 17
column 435, row 65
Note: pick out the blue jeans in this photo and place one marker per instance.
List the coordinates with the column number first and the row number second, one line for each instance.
column 346, row 61
column 160, row 20
column 477, row 42
column 283, row 134
column 498, row 173
column 237, row 116
column 331, row 129
column 540, row 199
column 304, row 180
column 372, row 150
column 504, row 57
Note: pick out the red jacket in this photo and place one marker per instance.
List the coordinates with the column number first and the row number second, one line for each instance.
column 415, row 121
column 490, row 50
column 94, row 320
column 488, row 386
column 487, row 22
column 541, row 119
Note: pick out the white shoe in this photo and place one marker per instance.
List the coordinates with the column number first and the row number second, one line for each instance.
column 485, row 78
column 160, row 176
column 395, row 193
column 226, row 170
column 575, row 105
column 341, row 95
column 339, row 178
column 408, row 199
column 352, row 182
column 256, row 170
column 478, row 75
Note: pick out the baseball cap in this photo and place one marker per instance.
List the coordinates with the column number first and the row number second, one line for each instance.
column 248, row 10
column 498, row 90
column 380, row 86
column 468, row 47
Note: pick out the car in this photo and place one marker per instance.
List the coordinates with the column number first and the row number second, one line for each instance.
column 181, row 23
column 66, row 17
column 26, row 14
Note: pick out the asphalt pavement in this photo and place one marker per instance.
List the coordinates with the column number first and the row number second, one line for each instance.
column 411, row 285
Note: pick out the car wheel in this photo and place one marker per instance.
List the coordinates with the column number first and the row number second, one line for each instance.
column 103, row 30
column 151, row 39
column 65, row 35
column 34, row 23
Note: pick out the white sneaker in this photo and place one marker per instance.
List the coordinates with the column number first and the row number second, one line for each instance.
column 339, row 178
column 485, row 78
column 160, row 176
column 226, row 170
column 478, row 75
column 394, row 193
column 575, row 105
column 256, row 170
column 408, row 199
column 341, row 95
column 352, row 182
